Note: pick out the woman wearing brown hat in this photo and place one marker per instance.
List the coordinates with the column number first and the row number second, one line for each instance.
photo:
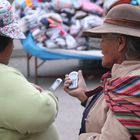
column 113, row 110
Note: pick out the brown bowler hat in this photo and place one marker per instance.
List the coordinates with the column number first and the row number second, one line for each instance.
column 122, row 19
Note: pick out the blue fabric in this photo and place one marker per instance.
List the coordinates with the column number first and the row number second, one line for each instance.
column 135, row 2
column 46, row 54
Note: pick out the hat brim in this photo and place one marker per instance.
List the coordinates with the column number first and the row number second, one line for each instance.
column 13, row 31
column 111, row 28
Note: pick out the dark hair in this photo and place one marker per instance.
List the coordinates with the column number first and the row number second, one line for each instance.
column 4, row 41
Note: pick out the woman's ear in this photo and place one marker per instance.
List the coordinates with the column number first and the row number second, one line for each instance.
column 122, row 43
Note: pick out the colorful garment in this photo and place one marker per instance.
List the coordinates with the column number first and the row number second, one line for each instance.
column 123, row 98
column 101, row 122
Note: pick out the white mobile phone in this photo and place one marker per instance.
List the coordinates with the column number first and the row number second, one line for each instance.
column 55, row 84
column 74, row 77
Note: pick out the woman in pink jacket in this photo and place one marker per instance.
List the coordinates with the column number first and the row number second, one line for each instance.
column 113, row 109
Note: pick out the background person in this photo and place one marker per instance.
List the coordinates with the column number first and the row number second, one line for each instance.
column 27, row 112
column 113, row 109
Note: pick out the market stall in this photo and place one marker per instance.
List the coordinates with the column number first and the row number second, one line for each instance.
column 54, row 29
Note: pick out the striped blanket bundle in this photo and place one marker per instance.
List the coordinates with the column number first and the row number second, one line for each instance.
column 123, row 98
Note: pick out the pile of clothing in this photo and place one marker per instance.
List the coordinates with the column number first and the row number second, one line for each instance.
column 60, row 23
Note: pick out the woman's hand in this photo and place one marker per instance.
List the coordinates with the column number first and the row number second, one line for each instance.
column 79, row 92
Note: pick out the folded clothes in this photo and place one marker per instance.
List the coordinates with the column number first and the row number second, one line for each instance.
column 59, row 23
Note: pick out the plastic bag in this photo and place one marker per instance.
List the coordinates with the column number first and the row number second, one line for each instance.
column 70, row 42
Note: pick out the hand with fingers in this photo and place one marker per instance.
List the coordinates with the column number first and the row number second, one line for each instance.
column 78, row 92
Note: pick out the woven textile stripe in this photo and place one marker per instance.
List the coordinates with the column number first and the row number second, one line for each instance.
column 123, row 98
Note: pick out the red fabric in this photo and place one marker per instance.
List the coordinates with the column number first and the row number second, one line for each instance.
column 121, row 2
column 40, row 0
column 123, row 98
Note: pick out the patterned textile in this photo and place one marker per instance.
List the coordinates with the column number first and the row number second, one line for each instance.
column 123, row 98
column 8, row 26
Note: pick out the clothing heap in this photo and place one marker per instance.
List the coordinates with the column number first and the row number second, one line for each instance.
column 60, row 23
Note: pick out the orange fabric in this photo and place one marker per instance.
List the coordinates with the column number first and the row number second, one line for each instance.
column 29, row 3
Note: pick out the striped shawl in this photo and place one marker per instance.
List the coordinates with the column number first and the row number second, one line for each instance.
column 123, row 98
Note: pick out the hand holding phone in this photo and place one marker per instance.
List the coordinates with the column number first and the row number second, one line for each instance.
column 74, row 77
